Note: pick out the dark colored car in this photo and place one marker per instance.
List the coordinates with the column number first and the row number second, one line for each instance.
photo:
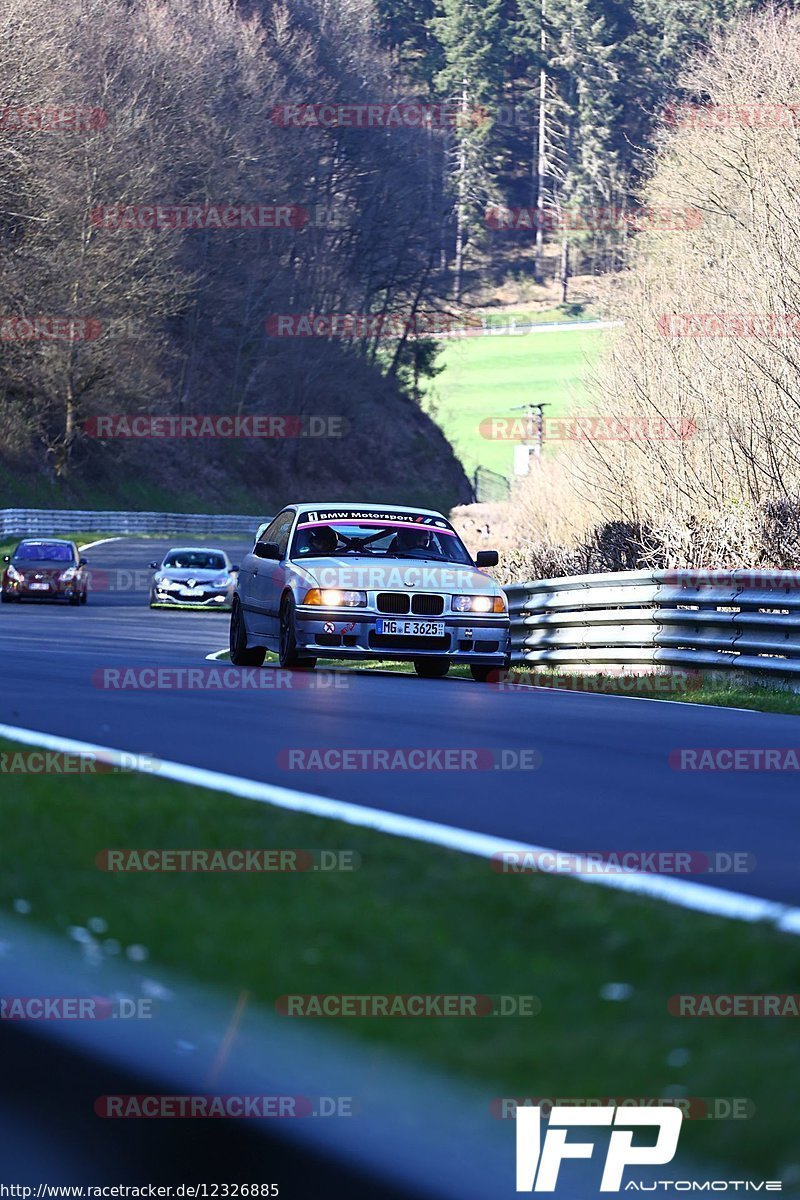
column 45, row 569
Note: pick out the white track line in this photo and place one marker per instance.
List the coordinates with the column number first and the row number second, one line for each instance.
column 216, row 655
column 696, row 896
column 102, row 542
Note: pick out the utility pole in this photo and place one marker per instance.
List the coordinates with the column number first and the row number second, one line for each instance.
column 535, row 433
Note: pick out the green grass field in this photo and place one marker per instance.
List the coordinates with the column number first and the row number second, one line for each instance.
column 490, row 376
column 418, row 919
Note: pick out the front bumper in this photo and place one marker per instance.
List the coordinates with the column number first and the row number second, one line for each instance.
column 54, row 591
column 216, row 598
column 481, row 639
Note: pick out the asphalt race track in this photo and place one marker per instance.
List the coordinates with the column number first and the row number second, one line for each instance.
column 604, row 782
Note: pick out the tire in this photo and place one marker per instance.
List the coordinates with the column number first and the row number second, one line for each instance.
column 85, row 596
column 432, row 668
column 287, row 643
column 74, row 601
column 241, row 655
column 486, row 674
column 4, row 599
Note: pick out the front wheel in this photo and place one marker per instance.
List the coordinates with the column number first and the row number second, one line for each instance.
column 432, row 668
column 485, row 674
column 75, row 600
column 287, row 650
column 241, row 654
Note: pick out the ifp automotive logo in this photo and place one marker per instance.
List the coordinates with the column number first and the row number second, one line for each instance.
column 538, row 1164
column 541, row 1162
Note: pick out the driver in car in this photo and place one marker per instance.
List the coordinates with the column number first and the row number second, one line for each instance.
column 410, row 539
column 319, row 541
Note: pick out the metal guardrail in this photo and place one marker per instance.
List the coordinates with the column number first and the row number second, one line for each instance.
column 27, row 522
column 712, row 620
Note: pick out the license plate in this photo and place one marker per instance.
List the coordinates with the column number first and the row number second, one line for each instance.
column 411, row 628
column 39, row 587
column 192, row 592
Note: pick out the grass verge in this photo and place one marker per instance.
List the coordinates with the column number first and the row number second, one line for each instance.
column 416, row 918
column 759, row 698
column 490, row 376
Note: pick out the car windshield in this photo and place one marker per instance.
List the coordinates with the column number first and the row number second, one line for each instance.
column 43, row 552
column 377, row 539
column 196, row 560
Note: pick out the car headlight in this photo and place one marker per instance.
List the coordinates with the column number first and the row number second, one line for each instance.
column 68, row 575
column 335, row 598
column 16, row 575
column 167, row 585
column 478, row 604
column 222, row 581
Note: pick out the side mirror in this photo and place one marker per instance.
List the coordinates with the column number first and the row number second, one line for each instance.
column 487, row 558
column 82, row 562
column 154, row 566
column 6, row 558
column 234, row 569
column 267, row 550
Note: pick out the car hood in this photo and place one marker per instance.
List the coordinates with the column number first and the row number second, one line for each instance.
column 184, row 574
column 46, row 567
column 397, row 575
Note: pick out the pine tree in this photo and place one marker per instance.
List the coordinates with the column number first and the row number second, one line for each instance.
column 469, row 84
